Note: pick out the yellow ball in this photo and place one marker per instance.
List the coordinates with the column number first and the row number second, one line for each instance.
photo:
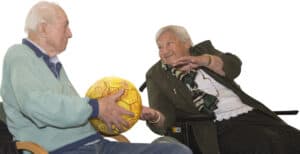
column 130, row 100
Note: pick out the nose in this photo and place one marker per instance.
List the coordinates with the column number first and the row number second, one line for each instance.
column 69, row 33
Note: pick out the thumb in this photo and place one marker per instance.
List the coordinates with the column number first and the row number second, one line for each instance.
column 116, row 96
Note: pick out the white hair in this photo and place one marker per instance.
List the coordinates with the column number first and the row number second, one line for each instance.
column 42, row 12
column 179, row 31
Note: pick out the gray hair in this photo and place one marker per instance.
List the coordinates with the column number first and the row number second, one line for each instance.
column 42, row 12
column 179, row 31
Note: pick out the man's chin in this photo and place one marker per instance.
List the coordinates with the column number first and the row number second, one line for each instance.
column 61, row 50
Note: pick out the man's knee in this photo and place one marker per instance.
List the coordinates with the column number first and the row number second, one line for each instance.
column 172, row 145
column 175, row 148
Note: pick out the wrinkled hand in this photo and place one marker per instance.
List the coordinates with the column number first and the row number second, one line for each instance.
column 111, row 113
column 188, row 63
column 149, row 114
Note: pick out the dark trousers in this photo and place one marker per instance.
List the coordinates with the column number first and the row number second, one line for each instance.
column 257, row 133
column 249, row 133
column 7, row 145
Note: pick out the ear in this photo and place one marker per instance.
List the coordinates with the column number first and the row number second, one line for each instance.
column 42, row 29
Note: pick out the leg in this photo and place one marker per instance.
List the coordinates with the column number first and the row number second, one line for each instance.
column 255, row 132
column 140, row 148
column 110, row 147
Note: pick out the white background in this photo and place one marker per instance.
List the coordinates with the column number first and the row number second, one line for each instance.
column 116, row 37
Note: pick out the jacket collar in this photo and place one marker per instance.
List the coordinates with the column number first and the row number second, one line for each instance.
column 53, row 62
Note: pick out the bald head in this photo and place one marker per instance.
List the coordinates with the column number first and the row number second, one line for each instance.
column 47, row 25
column 42, row 12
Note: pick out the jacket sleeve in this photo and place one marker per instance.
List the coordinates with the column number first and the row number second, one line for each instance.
column 159, row 101
column 232, row 64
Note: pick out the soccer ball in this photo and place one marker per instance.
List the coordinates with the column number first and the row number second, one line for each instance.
column 130, row 100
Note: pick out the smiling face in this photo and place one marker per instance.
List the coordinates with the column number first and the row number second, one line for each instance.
column 171, row 47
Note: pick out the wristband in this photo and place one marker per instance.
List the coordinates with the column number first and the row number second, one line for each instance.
column 209, row 60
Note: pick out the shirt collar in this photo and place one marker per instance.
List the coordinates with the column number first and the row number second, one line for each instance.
column 39, row 51
column 52, row 62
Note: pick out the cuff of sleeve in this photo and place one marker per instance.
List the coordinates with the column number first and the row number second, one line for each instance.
column 95, row 107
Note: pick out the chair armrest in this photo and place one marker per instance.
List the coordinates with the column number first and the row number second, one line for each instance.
column 195, row 117
column 30, row 146
column 288, row 112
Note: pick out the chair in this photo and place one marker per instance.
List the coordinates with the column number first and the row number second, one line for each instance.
column 182, row 129
column 8, row 146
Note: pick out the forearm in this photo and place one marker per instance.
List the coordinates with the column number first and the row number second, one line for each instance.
column 223, row 63
column 214, row 63
column 227, row 65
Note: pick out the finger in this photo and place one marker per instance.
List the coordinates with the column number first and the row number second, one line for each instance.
column 142, row 117
column 108, row 123
column 145, row 109
column 126, row 112
column 145, row 115
column 116, row 96
column 185, row 68
column 193, row 66
column 109, row 128
column 117, row 124
column 180, row 65
column 185, row 59
column 181, row 62
column 120, row 123
column 124, row 124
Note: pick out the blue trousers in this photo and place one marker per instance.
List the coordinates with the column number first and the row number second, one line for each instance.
column 111, row 147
